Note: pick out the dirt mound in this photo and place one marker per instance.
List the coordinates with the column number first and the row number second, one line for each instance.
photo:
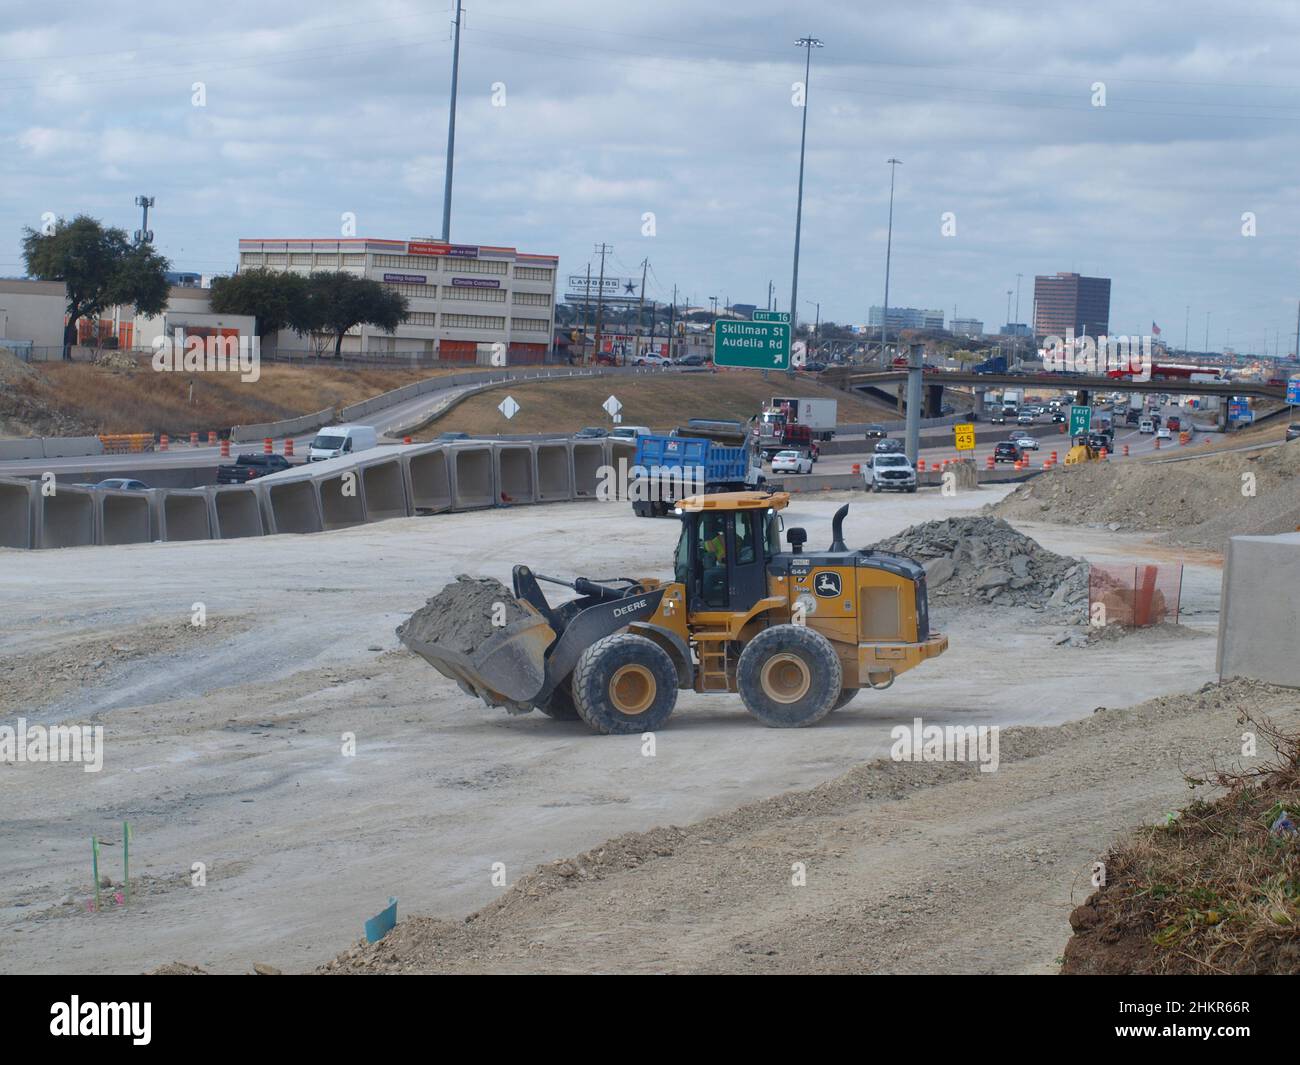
column 1198, row 502
column 460, row 617
column 115, row 360
column 1210, row 891
column 887, row 891
column 983, row 559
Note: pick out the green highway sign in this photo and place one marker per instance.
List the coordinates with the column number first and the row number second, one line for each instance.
column 772, row 316
column 758, row 345
column 1080, row 420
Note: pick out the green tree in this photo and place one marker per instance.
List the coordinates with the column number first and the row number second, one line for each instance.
column 337, row 301
column 100, row 267
column 275, row 298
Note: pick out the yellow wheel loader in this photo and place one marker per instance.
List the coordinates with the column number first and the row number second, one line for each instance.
column 796, row 633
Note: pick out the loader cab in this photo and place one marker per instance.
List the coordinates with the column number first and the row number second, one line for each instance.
column 723, row 551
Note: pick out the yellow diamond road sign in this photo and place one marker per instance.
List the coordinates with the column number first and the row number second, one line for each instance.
column 965, row 435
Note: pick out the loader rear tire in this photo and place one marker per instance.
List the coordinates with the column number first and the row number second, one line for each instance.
column 789, row 676
column 560, row 705
column 624, row 684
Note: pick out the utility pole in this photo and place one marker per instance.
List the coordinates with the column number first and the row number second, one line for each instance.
column 672, row 322
column 586, row 308
column 807, row 44
column 604, row 250
column 1187, row 325
column 894, row 164
column 640, row 307
column 144, row 235
column 769, row 295
column 1297, row 331
column 451, row 129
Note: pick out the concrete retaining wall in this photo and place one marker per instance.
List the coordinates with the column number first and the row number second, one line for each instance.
column 428, row 478
column 515, row 467
column 383, row 487
column 57, row 447
column 553, row 473
column 235, row 511
column 65, row 519
column 291, row 506
column 123, row 517
column 246, row 434
column 1259, row 615
column 31, row 448
column 473, row 476
column 182, row 515
column 589, row 456
column 17, row 511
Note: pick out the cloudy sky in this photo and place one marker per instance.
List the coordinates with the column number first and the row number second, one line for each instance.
column 684, row 110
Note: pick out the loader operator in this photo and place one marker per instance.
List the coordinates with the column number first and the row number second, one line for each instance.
column 715, row 545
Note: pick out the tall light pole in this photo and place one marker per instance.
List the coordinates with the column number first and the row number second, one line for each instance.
column 451, row 129
column 894, row 164
column 807, row 44
column 817, row 322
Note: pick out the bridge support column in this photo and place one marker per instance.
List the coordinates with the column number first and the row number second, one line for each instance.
column 1082, row 397
column 902, row 398
column 933, row 401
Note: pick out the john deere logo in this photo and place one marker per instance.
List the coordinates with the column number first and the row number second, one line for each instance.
column 827, row 585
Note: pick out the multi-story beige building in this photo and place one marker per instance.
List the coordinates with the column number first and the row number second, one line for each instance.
column 464, row 300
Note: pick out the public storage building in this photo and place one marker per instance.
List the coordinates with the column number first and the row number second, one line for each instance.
column 463, row 299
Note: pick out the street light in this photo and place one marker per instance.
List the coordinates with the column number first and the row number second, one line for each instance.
column 817, row 322
column 807, row 44
column 889, row 245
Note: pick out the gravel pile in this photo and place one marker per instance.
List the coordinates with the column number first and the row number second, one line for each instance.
column 460, row 616
column 1199, row 502
column 985, row 560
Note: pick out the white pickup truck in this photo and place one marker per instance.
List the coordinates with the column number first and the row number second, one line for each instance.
column 889, row 472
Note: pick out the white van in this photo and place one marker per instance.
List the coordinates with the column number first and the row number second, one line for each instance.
column 336, row 440
column 1146, row 425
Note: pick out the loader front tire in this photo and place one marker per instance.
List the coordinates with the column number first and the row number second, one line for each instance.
column 789, row 676
column 846, row 696
column 624, row 684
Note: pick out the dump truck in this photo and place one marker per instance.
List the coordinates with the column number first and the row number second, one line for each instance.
column 668, row 468
column 795, row 633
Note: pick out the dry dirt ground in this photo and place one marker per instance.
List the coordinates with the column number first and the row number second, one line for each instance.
column 906, row 868
column 226, row 746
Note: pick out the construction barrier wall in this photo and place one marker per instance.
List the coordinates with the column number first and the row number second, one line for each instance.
column 123, row 517
column 339, row 497
column 554, row 472
column 588, row 460
column 622, row 449
column 182, row 515
column 235, row 511
column 383, row 487
column 291, row 506
column 515, row 466
column 428, row 479
column 1259, row 613
column 66, row 518
column 473, row 479
column 17, row 506
column 57, row 447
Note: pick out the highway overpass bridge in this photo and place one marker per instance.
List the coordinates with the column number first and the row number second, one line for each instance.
column 891, row 385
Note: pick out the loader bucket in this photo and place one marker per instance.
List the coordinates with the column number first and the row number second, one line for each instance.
column 508, row 668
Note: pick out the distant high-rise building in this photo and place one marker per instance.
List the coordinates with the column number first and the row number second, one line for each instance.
column 966, row 327
column 906, row 318
column 1071, row 302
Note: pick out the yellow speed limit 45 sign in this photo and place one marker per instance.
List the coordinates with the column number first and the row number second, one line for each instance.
column 965, row 435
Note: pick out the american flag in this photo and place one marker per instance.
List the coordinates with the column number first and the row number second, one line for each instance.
column 1155, row 330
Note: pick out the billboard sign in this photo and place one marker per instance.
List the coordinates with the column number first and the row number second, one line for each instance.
column 475, row 282
column 455, row 251
column 407, row 279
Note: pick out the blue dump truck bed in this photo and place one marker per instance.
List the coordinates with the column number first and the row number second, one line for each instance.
column 681, row 465
column 721, row 464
